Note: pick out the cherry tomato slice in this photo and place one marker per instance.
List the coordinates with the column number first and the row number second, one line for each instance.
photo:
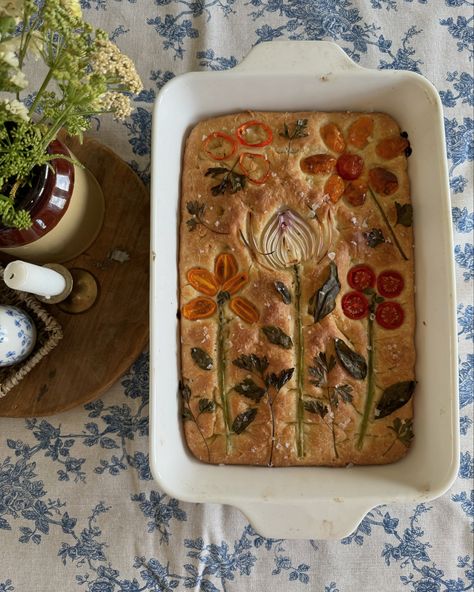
column 389, row 148
column 390, row 284
column 360, row 131
column 390, row 315
column 255, row 167
column 334, row 188
column 220, row 146
column 383, row 181
column 333, row 138
column 355, row 305
column 350, row 166
column 361, row 277
column 318, row 164
column 254, row 133
column 356, row 193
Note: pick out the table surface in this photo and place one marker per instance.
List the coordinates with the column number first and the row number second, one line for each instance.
column 78, row 507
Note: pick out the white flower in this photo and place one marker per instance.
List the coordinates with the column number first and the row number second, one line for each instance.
column 118, row 103
column 108, row 60
column 12, row 8
column 73, row 7
column 19, row 80
column 15, row 108
column 9, row 58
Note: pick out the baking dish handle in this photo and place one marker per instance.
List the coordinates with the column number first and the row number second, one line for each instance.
column 297, row 57
column 308, row 520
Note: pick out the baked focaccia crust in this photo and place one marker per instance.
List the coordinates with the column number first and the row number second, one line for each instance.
column 297, row 290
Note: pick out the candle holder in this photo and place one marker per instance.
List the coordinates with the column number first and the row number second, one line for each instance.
column 67, row 289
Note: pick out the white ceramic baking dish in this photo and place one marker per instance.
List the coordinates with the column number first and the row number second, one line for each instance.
column 309, row 502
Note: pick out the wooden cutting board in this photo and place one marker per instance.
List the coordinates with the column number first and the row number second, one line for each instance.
column 99, row 345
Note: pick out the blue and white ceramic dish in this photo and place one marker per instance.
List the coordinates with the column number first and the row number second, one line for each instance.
column 17, row 335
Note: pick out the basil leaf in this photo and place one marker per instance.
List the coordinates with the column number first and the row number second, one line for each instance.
column 276, row 336
column 201, row 358
column 350, row 360
column 316, row 407
column 283, row 291
column 374, row 237
column 404, row 214
column 250, row 389
column 243, row 420
column 279, row 380
column 252, row 363
column 206, row 406
column 323, row 301
column 394, row 397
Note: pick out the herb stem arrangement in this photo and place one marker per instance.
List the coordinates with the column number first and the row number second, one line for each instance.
column 84, row 74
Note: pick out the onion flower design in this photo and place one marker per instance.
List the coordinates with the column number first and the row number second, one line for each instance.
column 286, row 243
column 223, row 284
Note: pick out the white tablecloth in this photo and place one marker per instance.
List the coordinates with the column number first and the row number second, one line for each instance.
column 78, row 507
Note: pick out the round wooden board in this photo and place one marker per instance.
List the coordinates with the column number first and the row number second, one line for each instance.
column 99, row 345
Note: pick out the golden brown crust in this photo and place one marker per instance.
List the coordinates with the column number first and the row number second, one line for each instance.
column 303, row 423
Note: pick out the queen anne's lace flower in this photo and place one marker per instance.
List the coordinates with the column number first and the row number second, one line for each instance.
column 116, row 102
column 15, row 108
column 73, row 7
column 109, row 61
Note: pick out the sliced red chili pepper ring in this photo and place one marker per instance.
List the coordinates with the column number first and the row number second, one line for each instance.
column 390, row 284
column 355, row 305
column 390, row 315
column 361, row 277
column 255, row 133
column 255, row 167
column 220, row 146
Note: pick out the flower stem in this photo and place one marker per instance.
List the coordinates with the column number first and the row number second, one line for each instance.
column 389, row 226
column 272, row 435
column 221, row 367
column 299, row 351
column 370, row 378
column 333, row 419
column 42, row 88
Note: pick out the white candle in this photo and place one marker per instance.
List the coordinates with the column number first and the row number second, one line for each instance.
column 35, row 279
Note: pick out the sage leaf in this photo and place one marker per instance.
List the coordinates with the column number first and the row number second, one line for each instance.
column 404, row 214
column 243, row 420
column 276, row 336
column 185, row 391
column 201, row 358
column 323, row 301
column 374, row 237
column 394, row 397
column 252, row 363
column 206, row 406
column 283, row 291
column 278, row 381
column 250, row 389
column 316, row 407
column 350, row 360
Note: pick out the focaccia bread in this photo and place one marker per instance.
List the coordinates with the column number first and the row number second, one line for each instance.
column 297, row 290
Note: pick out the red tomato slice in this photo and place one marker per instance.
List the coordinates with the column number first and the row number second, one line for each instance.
column 361, row 277
column 255, row 167
column 255, row 133
column 220, row 146
column 355, row 305
column 350, row 166
column 390, row 284
column 390, row 315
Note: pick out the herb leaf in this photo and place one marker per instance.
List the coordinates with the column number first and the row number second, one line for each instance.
column 195, row 208
column 187, row 415
column 314, row 406
column 243, row 420
column 404, row 214
column 279, row 380
column 343, row 392
column 283, row 291
column 231, row 181
column 403, row 429
column 252, row 363
column 250, row 389
column 201, row 358
column 276, row 336
column 184, row 391
column 206, row 406
column 323, row 301
column 299, row 130
column 350, row 360
column 374, row 237
column 394, row 397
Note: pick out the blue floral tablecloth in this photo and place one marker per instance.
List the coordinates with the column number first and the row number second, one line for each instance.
column 78, row 507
